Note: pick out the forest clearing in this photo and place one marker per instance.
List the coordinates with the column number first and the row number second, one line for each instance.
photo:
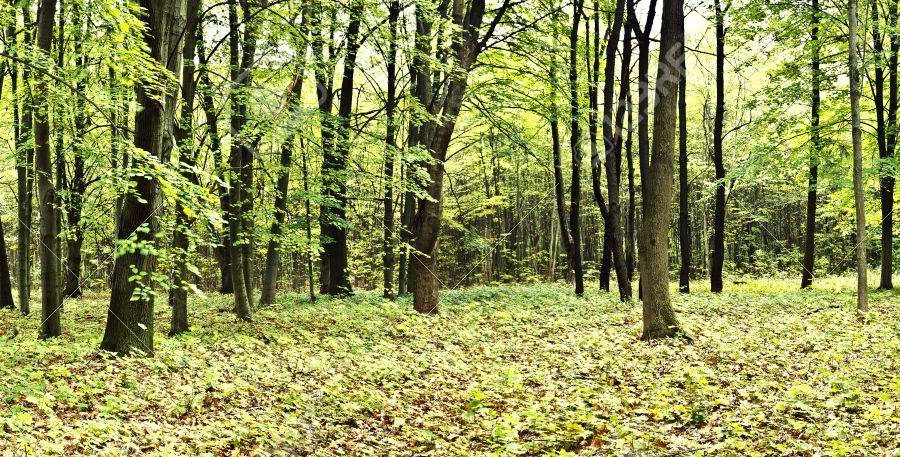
column 511, row 370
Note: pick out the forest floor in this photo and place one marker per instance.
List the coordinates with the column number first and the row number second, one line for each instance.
column 507, row 370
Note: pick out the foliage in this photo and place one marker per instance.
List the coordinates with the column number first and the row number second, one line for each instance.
column 512, row 370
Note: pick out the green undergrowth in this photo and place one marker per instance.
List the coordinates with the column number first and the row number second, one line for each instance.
column 504, row 370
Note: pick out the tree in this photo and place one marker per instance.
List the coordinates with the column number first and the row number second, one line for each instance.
column 809, row 246
column 49, row 230
column 717, row 256
column 390, row 149
column 856, row 133
column 658, row 180
column 470, row 42
column 242, row 51
column 183, row 133
column 129, row 321
column 575, row 148
column 293, row 105
column 684, row 217
column 612, row 141
column 886, row 128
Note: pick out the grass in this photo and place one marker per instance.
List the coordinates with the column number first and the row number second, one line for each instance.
column 502, row 370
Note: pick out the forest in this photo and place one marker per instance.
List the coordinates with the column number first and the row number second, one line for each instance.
column 449, row 227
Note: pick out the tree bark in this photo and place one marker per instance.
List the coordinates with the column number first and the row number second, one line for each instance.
column 49, row 230
column 717, row 258
column 22, row 127
column 575, row 147
column 390, row 145
column 183, row 133
column 129, row 322
column 657, row 185
column 856, row 133
column 613, row 138
column 684, row 221
column 809, row 241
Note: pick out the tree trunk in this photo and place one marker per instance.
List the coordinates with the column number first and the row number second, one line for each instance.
column 717, row 258
column 809, row 244
column 575, row 146
column 427, row 221
column 129, row 322
column 612, row 140
column 24, row 168
column 684, row 221
column 390, row 145
column 856, row 131
column 183, row 133
column 49, row 232
column 6, row 296
column 657, row 185
column 223, row 251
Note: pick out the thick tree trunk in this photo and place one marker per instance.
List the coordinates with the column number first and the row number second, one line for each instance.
column 856, row 133
column 129, row 322
column 427, row 221
column 684, row 221
column 49, row 231
column 333, row 214
column 717, row 258
column 631, row 223
column 657, row 185
column 809, row 240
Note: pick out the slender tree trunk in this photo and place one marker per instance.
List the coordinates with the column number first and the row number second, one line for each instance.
column 24, row 167
column 49, row 233
column 575, row 146
column 809, row 245
column 178, row 296
column 886, row 132
column 718, row 242
column 223, row 250
column 684, row 221
column 612, row 140
column 310, row 275
column 630, row 246
column 6, row 295
column 241, row 175
column 859, row 197
column 129, row 322
column 657, row 185
column 390, row 150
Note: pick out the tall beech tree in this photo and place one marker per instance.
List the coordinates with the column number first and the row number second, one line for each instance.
column 613, row 118
column 856, row 135
column 886, row 125
column 43, row 163
column 684, row 214
column 717, row 255
column 188, row 150
column 129, row 321
column 809, row 246
column 241, row 55
column 469, row 42
column 657, row 180
column 390, row 149
column 575, row 147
